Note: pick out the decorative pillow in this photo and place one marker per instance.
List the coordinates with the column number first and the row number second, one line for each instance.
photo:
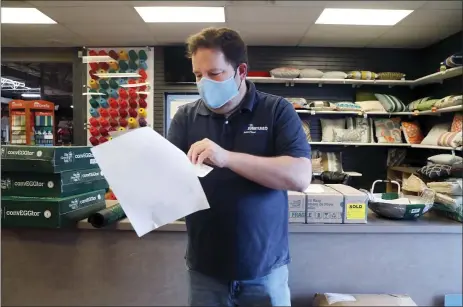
column 328, row 126
column 426, row 105
column 412, row 132
column 388, row 130
column 362, row 75
column 334, row 75
column 347, row 106
column 371, row 106
column 310, row 73
column 364, row 96
column 285, row 72
column 435, row 171
column 450, row 139
column 456, row 123
column 448, row 187
column 347, row 135
column 321, row 105
column 446, row 159
column 457, row 170
column 332, row 162
column 449, row 101
column 306, row 128
column 298, row 103
column 435, row 133
column 362, row 125
column 412, row 105
column 451, row 203
column 391, row 103
column 413, row 184
column 391, row 76
column 395, row 156
column 454, row 60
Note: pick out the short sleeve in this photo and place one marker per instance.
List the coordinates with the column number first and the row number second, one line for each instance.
column 289, row 136
column 177, row 133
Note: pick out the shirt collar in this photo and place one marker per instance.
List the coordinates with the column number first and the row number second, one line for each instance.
column 246, row 105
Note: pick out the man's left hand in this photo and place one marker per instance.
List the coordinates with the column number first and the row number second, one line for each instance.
column 209, row 152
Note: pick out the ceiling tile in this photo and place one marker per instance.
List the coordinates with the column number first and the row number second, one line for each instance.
column 390, row 5
column 425, row 18
column 443, row 5
column 93, row 33
column 177, row 32
column 43, row 35
column 93, row 15
column 280, row 15
column 15, row 4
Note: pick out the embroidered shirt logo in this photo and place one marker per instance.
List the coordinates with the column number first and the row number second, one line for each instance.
column 254, row 129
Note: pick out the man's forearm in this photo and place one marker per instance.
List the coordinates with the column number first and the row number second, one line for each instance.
column 281, row 173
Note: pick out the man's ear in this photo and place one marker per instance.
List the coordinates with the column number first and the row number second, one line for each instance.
column 243, row 70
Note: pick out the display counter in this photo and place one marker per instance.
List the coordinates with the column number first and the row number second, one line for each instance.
column 112, row 266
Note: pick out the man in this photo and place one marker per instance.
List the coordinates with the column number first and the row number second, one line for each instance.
column 238, row 249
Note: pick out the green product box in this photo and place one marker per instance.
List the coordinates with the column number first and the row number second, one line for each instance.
column 50, row 159
column 50, row 212
column 52, row 185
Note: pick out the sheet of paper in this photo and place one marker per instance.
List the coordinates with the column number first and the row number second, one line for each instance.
column 153, row 180
column 333, row 298
column 314, row 188
column 202, row 169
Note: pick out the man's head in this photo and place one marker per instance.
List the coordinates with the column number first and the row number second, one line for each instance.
column 219, row 54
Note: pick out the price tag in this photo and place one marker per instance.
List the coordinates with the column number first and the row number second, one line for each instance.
column 355, row 211
column 365, row 115
column 312, row 112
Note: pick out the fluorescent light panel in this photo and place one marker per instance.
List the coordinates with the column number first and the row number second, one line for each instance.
column 362, row 17
column 176, row 14
column 25, row 15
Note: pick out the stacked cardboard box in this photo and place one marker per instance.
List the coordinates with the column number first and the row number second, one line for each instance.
column 328, row 204
column 49, row 187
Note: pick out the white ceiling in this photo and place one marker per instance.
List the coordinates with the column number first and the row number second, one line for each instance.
column 264, row 23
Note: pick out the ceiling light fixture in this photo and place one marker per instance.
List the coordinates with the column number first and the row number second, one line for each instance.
column 30, row 95
column 362, row 17
column 24, row 15
column 175, row 14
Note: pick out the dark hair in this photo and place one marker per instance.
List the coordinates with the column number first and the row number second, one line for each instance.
column 224, row 39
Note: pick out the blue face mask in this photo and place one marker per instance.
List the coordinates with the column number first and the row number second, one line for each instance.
column 217, row 93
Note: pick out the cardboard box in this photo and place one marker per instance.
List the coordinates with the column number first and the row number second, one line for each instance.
column 337, row 299
column 324, row 205
column 37, row 212
column 297, row 207
column 50, row 159
column 52, row 185
column 355, row 204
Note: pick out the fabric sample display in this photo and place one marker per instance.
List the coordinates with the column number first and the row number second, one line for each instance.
column 334, row 75
column 391, row 76
column 332, row 161
column 362, row 75
column 434, row 134
column 310, row 73
column 412, row 105
column 347, row 136
column 306, row 128
column 457, row 123
column 328, row 126
column 395, row 156
column 362, row 126
column 347, row 106
column 435, row 171
column 106, row 216
column 426, row 105
column 450, row 139
column 371, row 106
column 412, row 132
column 449, row 101
column 446, row 159
column 285, row 72
column 388, row 130
column 391, row 103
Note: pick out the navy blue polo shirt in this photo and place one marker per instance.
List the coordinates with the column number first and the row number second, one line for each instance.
column 244, row 234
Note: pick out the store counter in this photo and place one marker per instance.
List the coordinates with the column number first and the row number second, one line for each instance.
column 112, row 266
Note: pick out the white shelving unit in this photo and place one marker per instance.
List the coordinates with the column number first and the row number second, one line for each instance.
column 386, row 145
column 352, row 174
column 360, row 113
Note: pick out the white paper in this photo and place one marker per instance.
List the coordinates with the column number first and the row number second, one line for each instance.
column 333, row 298
column 202, row 169
column 314, row 188
column 153, row 180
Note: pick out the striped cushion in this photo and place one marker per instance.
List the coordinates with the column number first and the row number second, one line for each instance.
column 391, row 103
column 391, row 76
column 306, row 128
column 449, row 101
column 347, row 106
column 362, row 75
column 450, row 139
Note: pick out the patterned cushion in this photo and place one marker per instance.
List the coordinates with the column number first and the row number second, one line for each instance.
column 371, row 106
column 435, row 171
column 391, row 76
column 306, row 128
column 450, row 139
column 446, row 159
column 321, row 105
column 457, row 170
column 347, row 106
column 388, row 130
column 426, row 104
column 362, row 75
column 328, row 126
column 412, row 105
column 391, row 103
column 332, row 162
column 434, row 134
column 310, row 73
column 457, row 123
column 334, row 75
column 454, row 60
column 362, row 125
column 449, row 101
column 285, row 72
column 297, row 103
column 412, row 132
column 347, row 135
